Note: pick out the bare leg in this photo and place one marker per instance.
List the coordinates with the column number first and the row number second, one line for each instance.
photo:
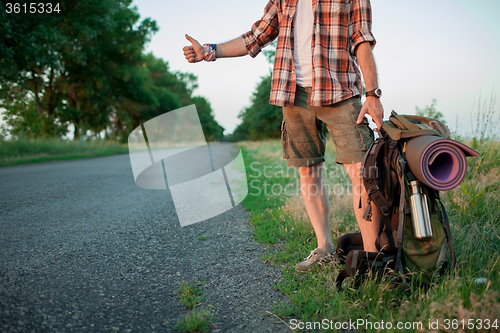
column 369, row 229
column 316, row 202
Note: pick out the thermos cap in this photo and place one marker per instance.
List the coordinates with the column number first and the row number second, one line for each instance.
column 415, row 186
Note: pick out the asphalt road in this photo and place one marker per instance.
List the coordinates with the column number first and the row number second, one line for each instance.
column 84, row 249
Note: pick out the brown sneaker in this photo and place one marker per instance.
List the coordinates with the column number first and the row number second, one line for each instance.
column 315, row 257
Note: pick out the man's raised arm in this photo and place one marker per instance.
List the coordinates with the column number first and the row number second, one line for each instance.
column 197, row 52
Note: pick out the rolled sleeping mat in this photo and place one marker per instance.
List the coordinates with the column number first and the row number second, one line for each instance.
column 437, row 162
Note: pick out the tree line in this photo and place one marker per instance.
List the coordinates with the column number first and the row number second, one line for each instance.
column 86, row 67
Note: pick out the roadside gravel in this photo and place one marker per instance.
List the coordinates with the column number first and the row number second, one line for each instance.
column 83, row 249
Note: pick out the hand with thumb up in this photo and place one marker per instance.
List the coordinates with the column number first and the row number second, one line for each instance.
column 195, row 52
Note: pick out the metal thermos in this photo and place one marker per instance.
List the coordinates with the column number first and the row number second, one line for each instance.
column 420, row 216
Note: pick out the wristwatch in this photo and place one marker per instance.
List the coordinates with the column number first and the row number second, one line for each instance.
column 377, row 92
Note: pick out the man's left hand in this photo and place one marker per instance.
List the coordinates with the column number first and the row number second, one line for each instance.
column 374, row 108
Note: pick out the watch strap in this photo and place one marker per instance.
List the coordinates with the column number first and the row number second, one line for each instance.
column 377, row 92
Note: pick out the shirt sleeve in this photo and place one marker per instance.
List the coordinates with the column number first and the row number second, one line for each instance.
column 263, row 31
column 361, row 23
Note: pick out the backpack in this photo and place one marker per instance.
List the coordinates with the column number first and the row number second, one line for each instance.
column 386, row 178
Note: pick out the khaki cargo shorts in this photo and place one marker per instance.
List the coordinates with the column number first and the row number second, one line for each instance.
column 302, row 131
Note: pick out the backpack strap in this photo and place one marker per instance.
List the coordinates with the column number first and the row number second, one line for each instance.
column 354, row 265
column 413, row 126
column 391, row 160
column 370, row 179
column 447, row 229
column 402, row 198
column 388, row 148
column 385, row 221
column 403, row 123
column 358, row 262
column 347, row 243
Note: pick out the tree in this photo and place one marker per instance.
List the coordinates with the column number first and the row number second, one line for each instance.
column 430, row 112
column 106, row 69
column 171, row 90
column 261, row 120
column 75, row 68
column 87, row 69
column 28, row 68
column 212, row 130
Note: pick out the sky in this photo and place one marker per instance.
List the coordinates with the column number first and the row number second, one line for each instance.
column 447, row 50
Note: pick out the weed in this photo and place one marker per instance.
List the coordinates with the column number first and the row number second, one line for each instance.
column 196, row 321
column 202, row 237
column 191, row 294
column 485, row 119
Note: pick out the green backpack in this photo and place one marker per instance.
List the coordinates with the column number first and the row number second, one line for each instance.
column 386, row 178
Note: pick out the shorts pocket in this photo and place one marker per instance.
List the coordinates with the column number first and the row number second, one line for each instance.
column 364, row 131
column 284, row 140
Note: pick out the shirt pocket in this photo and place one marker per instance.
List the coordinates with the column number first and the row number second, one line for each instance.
column 333, row 6
column 331, row 10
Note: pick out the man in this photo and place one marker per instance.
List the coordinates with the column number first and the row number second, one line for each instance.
column 316, row 80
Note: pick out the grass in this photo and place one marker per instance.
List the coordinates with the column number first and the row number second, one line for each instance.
column 279, row 219
column 24, row 150
column 191, row 296
column 196, row 321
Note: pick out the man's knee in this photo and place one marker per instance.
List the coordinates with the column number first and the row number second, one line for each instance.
column 354, row 171
column 313, row 171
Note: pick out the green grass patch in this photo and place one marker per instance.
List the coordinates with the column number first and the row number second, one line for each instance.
column 279, row 219
column 191, row 294
column 196, row 321
column 24, row 150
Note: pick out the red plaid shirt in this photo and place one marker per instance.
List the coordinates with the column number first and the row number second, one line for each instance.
column 339, row 27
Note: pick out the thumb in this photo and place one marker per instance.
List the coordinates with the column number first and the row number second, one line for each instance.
column 360, row 118
column 191, row 39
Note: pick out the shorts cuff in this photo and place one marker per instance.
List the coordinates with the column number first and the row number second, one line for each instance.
column 350, row 158
column 304, row 162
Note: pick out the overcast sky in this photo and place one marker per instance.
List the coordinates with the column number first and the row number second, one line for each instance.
column 445, row 49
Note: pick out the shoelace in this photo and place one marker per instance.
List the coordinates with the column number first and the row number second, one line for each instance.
column 310, row 254
column 326, row 257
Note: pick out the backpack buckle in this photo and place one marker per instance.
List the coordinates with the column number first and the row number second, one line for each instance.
column 369, row 180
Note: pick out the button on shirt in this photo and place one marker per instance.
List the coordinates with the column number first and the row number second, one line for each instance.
column 339, row 27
